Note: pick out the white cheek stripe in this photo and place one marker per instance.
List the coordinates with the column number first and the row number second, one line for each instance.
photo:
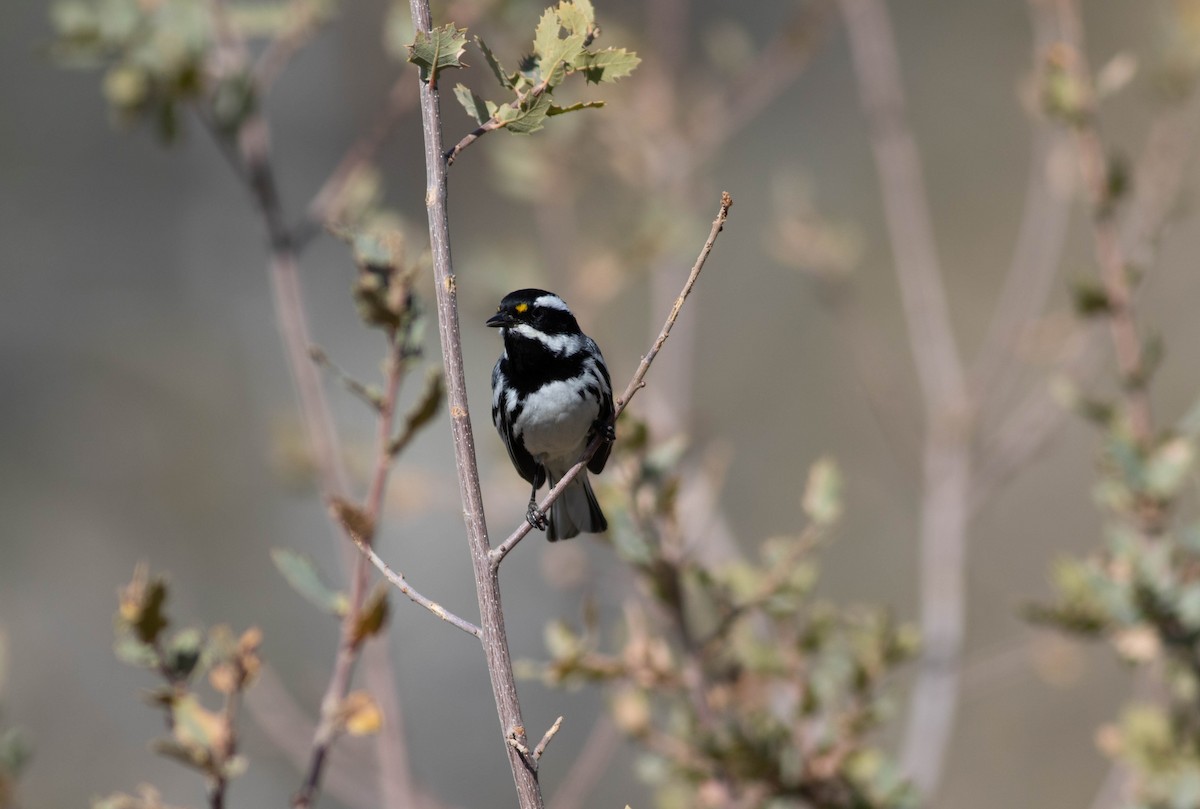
column 551, row 302
column 558, row 343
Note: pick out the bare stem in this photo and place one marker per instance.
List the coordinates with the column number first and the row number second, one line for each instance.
column 635, row 384
column 487, row 584
column 399, row 101
column 400, row 583
column 583, row 776
column 550, row 734
column 946, row 461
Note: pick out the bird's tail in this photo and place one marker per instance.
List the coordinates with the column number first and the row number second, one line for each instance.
column 575, row 511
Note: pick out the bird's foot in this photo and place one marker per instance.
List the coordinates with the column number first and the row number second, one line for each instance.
column 606, row 429
column 537, row 517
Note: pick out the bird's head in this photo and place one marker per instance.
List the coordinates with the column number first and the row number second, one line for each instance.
column 535, row 309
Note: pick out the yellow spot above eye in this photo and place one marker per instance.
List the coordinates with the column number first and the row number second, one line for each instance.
column 522, row 307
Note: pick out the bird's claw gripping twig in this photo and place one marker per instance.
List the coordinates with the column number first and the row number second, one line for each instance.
column 536, row 517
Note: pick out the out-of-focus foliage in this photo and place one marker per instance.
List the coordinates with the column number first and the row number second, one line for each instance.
column 743, row 687
column 201, row 738
column 1139, row 592
column 14, row 751
column 160, row 56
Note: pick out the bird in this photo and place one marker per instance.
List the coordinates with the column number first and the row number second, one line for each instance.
column 551, row 396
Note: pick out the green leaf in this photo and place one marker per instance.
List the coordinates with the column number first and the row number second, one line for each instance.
column 151, row 620
column 503, row 76
column 425, row 409
column 14, row 752
column 475, row 106
column 561, row 642
column 577, row 17
column 608, row 65
column 555, row 53
column 373, row 617
column 133, row 652
column 301, row 574
column 439, row 49
column 1090, row 299
column 524, row 121
column 582, row 105
column 1167, row 469
column 183, row 653
column 189, row 755
column 822, row 500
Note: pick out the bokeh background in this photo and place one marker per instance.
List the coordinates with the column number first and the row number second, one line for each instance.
column 146, row 410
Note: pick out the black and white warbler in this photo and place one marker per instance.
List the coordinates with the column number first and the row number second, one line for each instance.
column 551, row 396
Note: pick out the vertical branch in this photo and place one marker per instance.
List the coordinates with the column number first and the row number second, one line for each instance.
column 946, row 458
column 487, row 583
column 1040, row 241
column 253, row 162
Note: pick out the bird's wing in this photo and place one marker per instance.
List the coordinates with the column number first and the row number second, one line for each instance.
column 599, row 372
column 502, row 417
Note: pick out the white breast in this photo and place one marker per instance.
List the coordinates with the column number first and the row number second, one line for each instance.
column 555, row 423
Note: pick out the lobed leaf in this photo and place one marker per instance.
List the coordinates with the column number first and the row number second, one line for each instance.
column 608, row 65
column 528, row 119
column 508, row 80
column 581, row 105
column 441, row 48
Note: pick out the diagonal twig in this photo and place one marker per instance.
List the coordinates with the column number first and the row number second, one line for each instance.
column 400, row 583
column 550, row 734
column 498, row 553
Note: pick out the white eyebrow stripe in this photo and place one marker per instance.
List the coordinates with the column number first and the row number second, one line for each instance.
column 551, row 302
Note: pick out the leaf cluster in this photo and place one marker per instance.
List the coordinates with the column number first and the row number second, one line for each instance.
column 742, row 686
column 200, row 738
column 561, row 47
column 1140, row 593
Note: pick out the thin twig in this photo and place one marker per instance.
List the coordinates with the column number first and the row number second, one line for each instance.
column 494, row 123
column 251, row 160
column 636, row 383
column 589, row 767
column 279, row 51
column 219, row 783
column 400, row 583
column 350, row 643
column 775, row 69
column 946, row 461
column 1038, row 252
column 1106, row 240
column 400, row 100
column 541, row 746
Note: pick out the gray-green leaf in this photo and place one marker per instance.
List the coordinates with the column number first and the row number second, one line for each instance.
column 608, row 65
column 524, row 121
column 475, row 106
column 437, row 50
column 502, row 75
column 301, row 574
